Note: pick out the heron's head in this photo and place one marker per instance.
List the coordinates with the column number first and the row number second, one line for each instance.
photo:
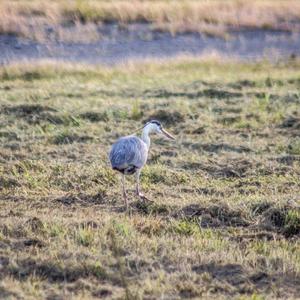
column 156, row 127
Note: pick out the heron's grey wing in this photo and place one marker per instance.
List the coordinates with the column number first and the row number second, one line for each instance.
column 141, row 154
column 128, row 151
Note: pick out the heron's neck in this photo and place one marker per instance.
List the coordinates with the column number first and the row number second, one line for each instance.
column 145, row 136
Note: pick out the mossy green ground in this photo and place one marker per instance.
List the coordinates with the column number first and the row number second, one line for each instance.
column 225, row 219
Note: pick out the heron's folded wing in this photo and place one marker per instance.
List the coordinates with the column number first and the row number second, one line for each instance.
column 128, row 151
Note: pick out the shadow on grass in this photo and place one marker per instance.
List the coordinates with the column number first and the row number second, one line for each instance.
column 213, row 216
column 236, row 168
column 33, row 113
column 215, row 148
column 6, row 294
column 227, row 279
column 70, row 138
column 82, row 199
column 167, row 117
column 234, row 279
column 211, row 93
column 266, row 217
column 27, row 268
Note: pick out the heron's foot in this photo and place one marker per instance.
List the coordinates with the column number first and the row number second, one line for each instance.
column 143, row 197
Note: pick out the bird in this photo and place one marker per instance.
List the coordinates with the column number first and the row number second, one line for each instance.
column 128, row 155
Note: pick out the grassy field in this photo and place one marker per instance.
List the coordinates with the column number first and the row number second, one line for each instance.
column 225, row 218
column 33, row 18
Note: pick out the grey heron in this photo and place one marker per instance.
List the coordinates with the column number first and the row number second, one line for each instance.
column 129, row 154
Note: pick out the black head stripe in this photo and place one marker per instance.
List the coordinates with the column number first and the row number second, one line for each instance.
column 155, row 122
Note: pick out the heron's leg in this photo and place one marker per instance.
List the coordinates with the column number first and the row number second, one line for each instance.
column 138, row 191
column 138, row 173
column 124, row 191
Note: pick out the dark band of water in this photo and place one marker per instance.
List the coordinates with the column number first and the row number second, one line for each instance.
column 138, row 42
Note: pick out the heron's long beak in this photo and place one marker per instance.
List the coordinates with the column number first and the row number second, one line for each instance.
column 167, row 134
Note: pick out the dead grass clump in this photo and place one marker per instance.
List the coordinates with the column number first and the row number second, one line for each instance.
column 82, row 199
column 212, row 93
column 237, row 278
column 159, row 174
column 291, row 122
column 240, row 84
column 152, row 208
column 95, row 116
column 35, row 224
column 164, row 93
column 213, row 216
column 6, row 294
column 228, row 120
column 234, row 168
column 220, row 94
column 10, row 231
column 33, row 114
column 149, row 226
column 288, row 159
column 292, row 148
column 199, row 130
column 88, row 224
column 234, row 274
column 260, row 208
column 29, row 243
column 274, row 217
column 292, row 223
column 284, row 220
column 26, row 109
column 46, row 270
column 257, row 236
column 221, row 147
column 70, row 138
column 27, row 75
column 9, row 135
column 183, row 227
column 167, row 117
column 8, row 182
column 102, row 293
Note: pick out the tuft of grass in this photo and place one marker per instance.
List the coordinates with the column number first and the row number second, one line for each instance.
column 159, row 174
column 85, row 236
column 294, row 147
column 95, row 116
column 292, row 222
column 184, row 227
column 56, row 230
column 136, row 112
column 66, row 137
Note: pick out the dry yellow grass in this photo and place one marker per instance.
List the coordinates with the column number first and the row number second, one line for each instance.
column 210, row 17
